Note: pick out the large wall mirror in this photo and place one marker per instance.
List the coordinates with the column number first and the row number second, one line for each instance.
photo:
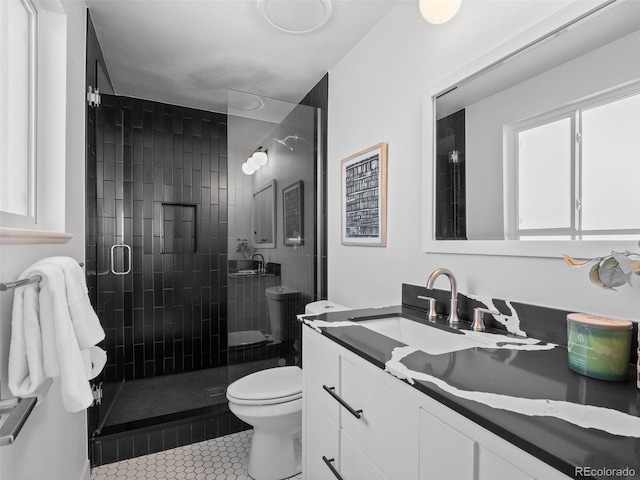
column 536, row 151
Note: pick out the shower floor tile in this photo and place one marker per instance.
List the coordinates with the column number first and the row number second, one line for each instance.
column 223, row 458
column 164, row 395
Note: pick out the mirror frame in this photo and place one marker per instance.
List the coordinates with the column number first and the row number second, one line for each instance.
column 563, row 19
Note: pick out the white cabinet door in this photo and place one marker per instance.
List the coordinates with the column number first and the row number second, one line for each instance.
column 354, row 464
column 387, row 431
column 445, row 453
column 491, row 466
column 321, row 367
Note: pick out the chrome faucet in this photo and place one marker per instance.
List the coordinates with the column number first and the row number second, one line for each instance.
column 453, row 311
column 262, row 269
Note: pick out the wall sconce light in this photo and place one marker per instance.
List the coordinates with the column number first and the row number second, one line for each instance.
column 248, row 168
column 439, row 11
column 258, row 159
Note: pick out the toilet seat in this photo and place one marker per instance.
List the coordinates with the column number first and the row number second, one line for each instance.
column 247, row 339
column 267, row 387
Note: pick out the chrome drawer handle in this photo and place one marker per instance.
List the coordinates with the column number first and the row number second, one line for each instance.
column 352, row 411
column 329, row 462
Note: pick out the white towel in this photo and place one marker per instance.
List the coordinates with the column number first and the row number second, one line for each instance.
column 54, row 333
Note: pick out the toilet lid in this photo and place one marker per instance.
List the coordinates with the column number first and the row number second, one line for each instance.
column 267, row 387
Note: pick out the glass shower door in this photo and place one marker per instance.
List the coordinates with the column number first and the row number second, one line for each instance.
column 160, row 217
column 272, row 275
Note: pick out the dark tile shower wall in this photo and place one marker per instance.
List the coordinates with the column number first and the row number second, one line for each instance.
column 162, row 189
column 451, row 220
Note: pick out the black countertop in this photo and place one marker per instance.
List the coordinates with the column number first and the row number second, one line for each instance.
column 461, row 380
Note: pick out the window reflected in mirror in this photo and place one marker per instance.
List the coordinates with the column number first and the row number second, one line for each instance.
column 576, row 170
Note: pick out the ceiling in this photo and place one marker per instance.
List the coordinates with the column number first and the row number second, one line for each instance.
column 191, row 52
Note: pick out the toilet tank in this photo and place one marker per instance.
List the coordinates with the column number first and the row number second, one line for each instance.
column 283, row 304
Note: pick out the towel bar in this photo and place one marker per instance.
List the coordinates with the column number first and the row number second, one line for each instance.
column 17, row 416
column 21, row 283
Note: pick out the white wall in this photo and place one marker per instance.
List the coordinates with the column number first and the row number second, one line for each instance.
column 53, row 443
column 375, row 94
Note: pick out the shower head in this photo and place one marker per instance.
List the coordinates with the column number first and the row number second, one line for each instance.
column 282, row 142
column 286, row 139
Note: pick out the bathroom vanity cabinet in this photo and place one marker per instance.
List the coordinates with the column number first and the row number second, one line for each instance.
column 401, row 432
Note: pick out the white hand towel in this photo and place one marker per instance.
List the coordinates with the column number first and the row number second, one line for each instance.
column 86, row 324
column 44, row 336
column 26, row 366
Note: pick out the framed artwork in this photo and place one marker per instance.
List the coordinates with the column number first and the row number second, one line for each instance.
column 364, row 197
column 293, row 214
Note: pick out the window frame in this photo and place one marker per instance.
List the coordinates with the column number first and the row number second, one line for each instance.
column 48, row 226
column 10, row 218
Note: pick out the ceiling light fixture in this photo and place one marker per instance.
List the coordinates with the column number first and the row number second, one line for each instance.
column 439, row 11
column 297, row 17
column 245, row 102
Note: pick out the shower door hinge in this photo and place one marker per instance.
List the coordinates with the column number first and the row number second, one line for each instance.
column 93, row 96
column 579, row 137
column 96, row 390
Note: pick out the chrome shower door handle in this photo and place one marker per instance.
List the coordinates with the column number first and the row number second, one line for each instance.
column 127, row 249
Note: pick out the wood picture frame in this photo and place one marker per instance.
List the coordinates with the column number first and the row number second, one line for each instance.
column 363, row 180
column 293, row 214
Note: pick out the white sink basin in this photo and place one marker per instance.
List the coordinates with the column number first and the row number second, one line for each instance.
column 247, row 272
column 423, row 337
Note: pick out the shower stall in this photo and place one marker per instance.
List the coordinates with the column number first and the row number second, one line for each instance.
column 188, row 293
column 157, row 259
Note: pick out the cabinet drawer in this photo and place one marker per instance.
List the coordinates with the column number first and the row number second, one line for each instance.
column 321, row 366
column 387, row 431
column 324, row 436
column 445, row 453
column 354, row 465
column 312, row 472
column 317, row 470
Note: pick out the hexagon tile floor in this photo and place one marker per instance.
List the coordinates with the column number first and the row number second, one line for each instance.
column 223, row 458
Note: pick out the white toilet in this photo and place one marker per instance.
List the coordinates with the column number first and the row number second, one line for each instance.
column 271, row 401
